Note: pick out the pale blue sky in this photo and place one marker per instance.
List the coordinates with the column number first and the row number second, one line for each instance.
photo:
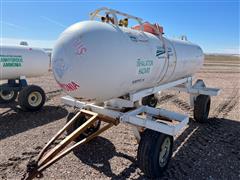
column 214, row 25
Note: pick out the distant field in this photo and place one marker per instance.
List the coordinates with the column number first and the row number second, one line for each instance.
column 221, row 63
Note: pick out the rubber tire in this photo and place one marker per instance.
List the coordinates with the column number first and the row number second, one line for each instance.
column 23, row 98
column 148, row 153
column 10, row 100
column 150, row 101
column 78, row 122
column 201, row 108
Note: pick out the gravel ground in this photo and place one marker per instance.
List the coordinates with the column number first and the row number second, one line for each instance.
column 202, row 151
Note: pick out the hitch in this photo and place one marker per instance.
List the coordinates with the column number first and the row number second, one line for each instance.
column 49, row 155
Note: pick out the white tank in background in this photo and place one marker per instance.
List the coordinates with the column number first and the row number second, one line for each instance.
column 16, row 61
column 96, row 61
column 16, row 64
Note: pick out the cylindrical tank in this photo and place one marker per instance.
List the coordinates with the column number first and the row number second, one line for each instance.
column 16, row 61
column 96, row 61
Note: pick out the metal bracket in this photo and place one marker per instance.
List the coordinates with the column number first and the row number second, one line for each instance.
column 118, row 103
column 146, row 92
column 95, row 14
column 160, row 120
column 198, row 88
column 12, row 85
column 156, row 119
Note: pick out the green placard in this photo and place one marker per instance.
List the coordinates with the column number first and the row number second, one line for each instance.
column 11, row 60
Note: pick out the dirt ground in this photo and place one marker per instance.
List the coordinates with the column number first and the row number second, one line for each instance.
column 204, row 151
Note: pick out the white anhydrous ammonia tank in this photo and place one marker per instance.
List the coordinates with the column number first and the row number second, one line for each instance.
column 96, row 61
column 16, row 61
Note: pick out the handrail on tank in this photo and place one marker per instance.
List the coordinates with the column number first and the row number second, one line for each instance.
column 114, row 13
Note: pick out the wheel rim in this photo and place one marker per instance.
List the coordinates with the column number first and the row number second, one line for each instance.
column 164, row 152
column 7, row 95
column 35, row 99
column 152, row 102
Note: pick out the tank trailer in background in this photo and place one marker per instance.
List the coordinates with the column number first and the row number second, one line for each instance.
column 113, row 74
column 16, row 64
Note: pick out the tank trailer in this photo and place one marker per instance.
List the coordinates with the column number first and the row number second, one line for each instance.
column 113, row 73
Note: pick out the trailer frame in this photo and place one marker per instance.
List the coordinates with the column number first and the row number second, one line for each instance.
column 131, row 117
column 127, row 110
